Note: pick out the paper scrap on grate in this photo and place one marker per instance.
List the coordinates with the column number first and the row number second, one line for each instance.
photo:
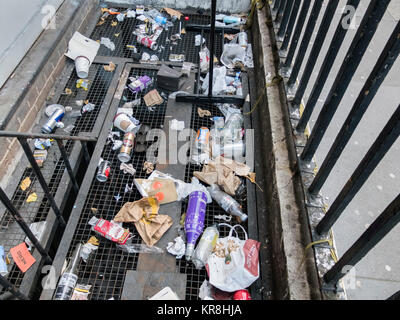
column 153, row 98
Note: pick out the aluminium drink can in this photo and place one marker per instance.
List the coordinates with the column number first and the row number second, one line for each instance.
column 126, row 149
column 104, row 171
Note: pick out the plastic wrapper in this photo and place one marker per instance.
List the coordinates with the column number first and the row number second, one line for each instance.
column 81, row 292
column 107, row 43
column 219, row 82
column 177, row 248
column 37, row 229
column 227, row 109
column 233, row 52
column 204, row 59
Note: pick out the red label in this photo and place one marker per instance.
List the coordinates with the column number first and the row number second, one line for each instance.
column 250, row 250
column 107, row 172
column 22, row 257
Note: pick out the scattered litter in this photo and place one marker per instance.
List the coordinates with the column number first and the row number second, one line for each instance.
column 144, row 214
column 176, row 57
column 81, row 292
column 148, row 167
column 131, row 14
column 40, row 157
column 204, row 59
column 82, row 83
column 117, row 197
column 145, row 56
column 128, row 188
column 120, row 17
column 107, row 43
column 139, row 84
column 153, row 98
column 3, row 262
column 223, row 217
column 117, row 145
column 37, row 229
column 113, row 24
column 177, row 125
column 22, row 257
column 68, row 109
column 89, row 247
column 165, row 294
column 203, row 113
column 174, row 13
column 127, row 168
column 109, row 230
column 68, row 91
column 132, row 104
column 94, row 210
column 205, row 291
column 177, row 248
column 131, row 47
column 25, row 184
column 111, row 67
column 32, row 197
column 88, row 108
column 69, row 128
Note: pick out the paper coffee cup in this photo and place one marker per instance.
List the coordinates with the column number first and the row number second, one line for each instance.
column 122, row 122
column 82, row 65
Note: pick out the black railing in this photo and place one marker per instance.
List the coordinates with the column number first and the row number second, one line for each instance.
column 284, row 14
column 23, row 140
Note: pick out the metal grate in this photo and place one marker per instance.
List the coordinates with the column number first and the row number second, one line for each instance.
column 53, row 168
column 121, row 35
column 196, row 277
column 105, row 270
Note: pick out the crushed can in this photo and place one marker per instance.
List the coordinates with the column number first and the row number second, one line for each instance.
column 104, row 171
column 147, row 42
column 51, row 123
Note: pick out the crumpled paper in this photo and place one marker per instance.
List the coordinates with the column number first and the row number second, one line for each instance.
column 202, row 113
column 127, row 168
column 144, row 214
column 224, row 172
column 177, row 248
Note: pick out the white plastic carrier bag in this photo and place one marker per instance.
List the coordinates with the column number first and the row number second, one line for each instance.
column 234, row 263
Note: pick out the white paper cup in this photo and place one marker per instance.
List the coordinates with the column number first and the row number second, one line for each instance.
column 122, row 122
column 82, row 65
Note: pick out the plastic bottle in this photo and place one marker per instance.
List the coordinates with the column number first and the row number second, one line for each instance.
column 69, row 278
column 194, row 220
column 233, row 127
column 226, row 202
column 206, row 246
column 232, row 19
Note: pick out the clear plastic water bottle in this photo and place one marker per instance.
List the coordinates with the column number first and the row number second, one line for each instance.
column 205, row 246
column 226, row 202
column 232, row 131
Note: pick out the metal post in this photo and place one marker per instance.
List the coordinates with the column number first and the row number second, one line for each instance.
column 86, row 154
column 285, row 20
column 68, row 165
column 10, row 287
column 315, row 51
column 21, row 222
column 367, row 165
column 292, row 21
column 375, row 233
column 299, row 28
column 212, row 47
column 276, row 5
column 353, row 58
column 367, row 93
column 41, row 179
column 279, row 13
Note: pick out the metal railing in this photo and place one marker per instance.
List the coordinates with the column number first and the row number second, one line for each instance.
column 284, row 14
column 23, row 140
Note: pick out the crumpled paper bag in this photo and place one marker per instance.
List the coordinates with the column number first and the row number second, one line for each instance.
column 144, row 214
column 224, row 172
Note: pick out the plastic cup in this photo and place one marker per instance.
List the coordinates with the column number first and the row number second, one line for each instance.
column 82, row 65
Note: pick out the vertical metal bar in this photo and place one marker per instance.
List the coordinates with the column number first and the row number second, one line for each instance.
column 375, row 233
column 366, row 95
column 299, row 28
column 315, row 51
column 10, row 287
column 41, row 179
column 21, row 222
column 360, row 43
column 282, row 5
column 212, row 47
column 86, row 154
column 291, row 23
column 68, row 165
column 276, row 5
column 367, row 165
column 285, row 20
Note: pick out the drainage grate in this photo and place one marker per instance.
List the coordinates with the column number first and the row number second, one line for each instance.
column 121, row 34
column 53, row 168
column 196, row 277
column 105, row 270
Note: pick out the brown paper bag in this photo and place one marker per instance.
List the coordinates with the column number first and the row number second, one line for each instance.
column 144, row 214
